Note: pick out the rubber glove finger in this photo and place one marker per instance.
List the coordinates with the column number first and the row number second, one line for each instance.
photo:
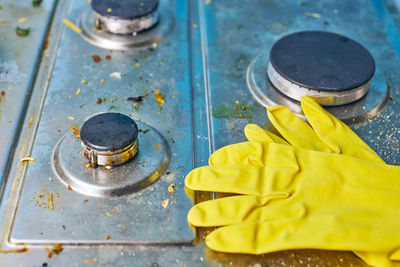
column 395, row 255
column 296, row 131
column 255, row 153
column 240, row 209
column 295, row 233
column 241, row 179
column 336, row 134
column 380, row 259
column 254, row 132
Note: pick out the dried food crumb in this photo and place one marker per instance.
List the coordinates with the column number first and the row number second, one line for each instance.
column 108, row 57
column 158, row 146
column 71, row 118
column 24, row 159
column 108, row 236
column 159, row 98
column 165, row 203
column 171, row 189
column 137, row 65
column 51, row 204
column 75, row 131
column 57, row 249
column 207, row 2
column 116, row 75
column 313, row 15
column 96, row 58
column 86, row 201
column 21, row 20
column 125, row 229
column 194, row 26
column 84, row 81
column 98, row 100
column 69, row 188
column 78, row 91
column 135, row 98
column 63, row 227
column 102, row 81
column 87, row 261
column 2, row 93
column 72, row 26
column 22, row 31
column 109, row 10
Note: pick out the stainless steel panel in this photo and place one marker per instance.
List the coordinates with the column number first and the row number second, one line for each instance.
column 138, row 218
column 19, row 56
column 200, row 67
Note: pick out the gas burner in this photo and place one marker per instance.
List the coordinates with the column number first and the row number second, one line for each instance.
column 126, row 24
column 125, row 16
column 343, row 80
column 109, row 139
column 334, row 69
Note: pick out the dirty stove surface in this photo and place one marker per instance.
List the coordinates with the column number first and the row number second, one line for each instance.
column 188, row 75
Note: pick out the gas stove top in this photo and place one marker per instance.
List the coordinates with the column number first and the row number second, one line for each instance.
column 106, row 106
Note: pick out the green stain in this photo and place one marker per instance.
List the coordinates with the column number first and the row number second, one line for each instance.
column 240, row 111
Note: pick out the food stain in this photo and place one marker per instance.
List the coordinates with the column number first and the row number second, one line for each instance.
column 20, row 250
column 240, row 111
column 57, row 249
column 159, row 97
column 75, row 130
column 44, row 199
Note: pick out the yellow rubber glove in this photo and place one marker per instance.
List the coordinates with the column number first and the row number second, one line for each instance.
column 273, row 207
column 296, row 198
column 326, row 133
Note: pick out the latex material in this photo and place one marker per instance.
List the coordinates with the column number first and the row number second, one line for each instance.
column 262, row 209
column 296, row 198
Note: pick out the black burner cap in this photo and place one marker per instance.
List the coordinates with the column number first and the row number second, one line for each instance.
column 322, row 60
column 125, row 9
column 109, row 132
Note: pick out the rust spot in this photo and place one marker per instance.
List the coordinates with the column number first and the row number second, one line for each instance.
column 108, row 237
column 69, row 188
column 96, row 58
column 98, row 101
column 108, row 57
column 46, row 42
